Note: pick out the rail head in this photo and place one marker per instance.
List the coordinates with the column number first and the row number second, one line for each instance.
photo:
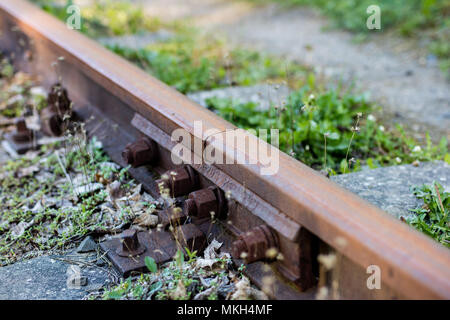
column 411, row 263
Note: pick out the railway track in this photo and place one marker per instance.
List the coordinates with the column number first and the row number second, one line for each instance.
column 298, row 211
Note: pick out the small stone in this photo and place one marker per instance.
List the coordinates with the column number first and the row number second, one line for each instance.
column 111, row 165
column 147, row 219
column 115, row 190
column 77, row 281
column 88, row 188
column 87, row 245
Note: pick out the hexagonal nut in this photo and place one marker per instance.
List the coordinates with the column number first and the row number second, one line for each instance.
column 253, row 245
column 140, row 152
column 181, row 182
column 172, row 216
column 51, row 122
column 190, row 236
column 59, row 99
column 205, row 201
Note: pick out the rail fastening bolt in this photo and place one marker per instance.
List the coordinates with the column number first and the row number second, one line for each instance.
column 22, row 133
column 130, row 245
column 179, row 181
column 141, row 152
column 202, row 203
column 254, row 244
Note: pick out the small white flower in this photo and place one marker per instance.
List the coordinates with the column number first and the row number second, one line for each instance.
column 398, row 160
column 371, row 117
column 311, row 97
column 381, row 128
column 417, row 149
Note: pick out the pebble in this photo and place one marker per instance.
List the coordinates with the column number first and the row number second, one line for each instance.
column 88, row 188
column 87, row 245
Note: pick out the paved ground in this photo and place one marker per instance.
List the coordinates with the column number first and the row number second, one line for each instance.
column 257, row 94
column 52, row 278
column 389, row 188
column 397, row 73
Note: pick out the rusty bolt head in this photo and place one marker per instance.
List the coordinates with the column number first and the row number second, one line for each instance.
column 51, row 122
column 22, row 133
column 130, row 244
column 142, row 151
column 190, row 236
column 21, row 125
column 172, row 216
column 205, row 202
column 190, row 208
column 180, row 181
column 253, row 245
column 58, row 99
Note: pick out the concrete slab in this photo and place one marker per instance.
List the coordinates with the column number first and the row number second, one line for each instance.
column 389, row 188
column 136, row 41
column 263, row 94
column 46, row 278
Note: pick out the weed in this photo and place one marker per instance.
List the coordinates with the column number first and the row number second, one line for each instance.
column 339, row 117
column 151, row 264
column 433, row 217
column 105, row 17
column 187, row 61
column 192, row 63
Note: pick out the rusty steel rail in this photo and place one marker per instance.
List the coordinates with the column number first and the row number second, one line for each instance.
column 293, row 202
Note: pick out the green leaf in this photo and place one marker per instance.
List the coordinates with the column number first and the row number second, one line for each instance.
column 151, row 264
column 179, row 258
column 447, row 158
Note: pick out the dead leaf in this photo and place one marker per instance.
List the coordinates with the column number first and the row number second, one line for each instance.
column 136, row 193
column 20, row 228
column 146, row 219
column 29, row 171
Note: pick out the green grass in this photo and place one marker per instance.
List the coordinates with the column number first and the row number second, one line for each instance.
column 16, row 96
column 105, row 17
column 52, row 228
column 190, row 63
column 433, row 217
column 423, row 19
column 165, row 283
column 353, row 137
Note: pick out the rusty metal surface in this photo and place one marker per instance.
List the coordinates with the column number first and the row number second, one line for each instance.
column 268, row 213
column 190, row 236
column 141, row 152
column 59, row 105
column 254, row 245
column 178, row 182
column 414, row 265
column 171, row 217
column 130, row 245
column 206, row 203
column 22, row 139
column 158, row 245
